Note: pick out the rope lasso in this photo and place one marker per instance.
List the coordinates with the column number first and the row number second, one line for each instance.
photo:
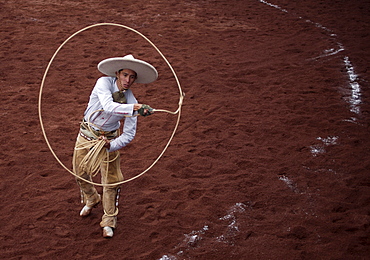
column 99, row 144
column 97, row 152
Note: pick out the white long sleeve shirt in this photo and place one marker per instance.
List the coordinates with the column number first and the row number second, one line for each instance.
column 109, row 119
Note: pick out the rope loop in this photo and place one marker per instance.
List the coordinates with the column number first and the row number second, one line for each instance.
column 97, row 157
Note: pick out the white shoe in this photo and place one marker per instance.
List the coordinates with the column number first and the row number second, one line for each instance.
column 85, row 211
column 107, row 232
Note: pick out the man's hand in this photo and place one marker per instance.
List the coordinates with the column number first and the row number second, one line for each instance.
column 107, row 142
column 145, row 110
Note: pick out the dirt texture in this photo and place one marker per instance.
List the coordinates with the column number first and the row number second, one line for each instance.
column 271, row 157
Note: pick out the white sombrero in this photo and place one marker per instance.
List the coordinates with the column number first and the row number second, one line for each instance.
column 146, row 73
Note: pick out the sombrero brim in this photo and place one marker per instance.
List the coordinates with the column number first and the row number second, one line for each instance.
column 146, row 73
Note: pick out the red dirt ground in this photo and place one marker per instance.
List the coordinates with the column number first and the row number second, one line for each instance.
column 269, row 161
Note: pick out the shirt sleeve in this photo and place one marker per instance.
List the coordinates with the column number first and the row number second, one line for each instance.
column 129, row 131
column 104, row 93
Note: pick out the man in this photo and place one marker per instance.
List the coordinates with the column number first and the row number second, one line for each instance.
column 111, row 101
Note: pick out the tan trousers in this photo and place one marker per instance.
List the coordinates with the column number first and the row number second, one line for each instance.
column 89, row 195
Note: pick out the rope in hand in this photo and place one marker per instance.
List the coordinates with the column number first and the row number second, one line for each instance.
column 93, row 160
column 99, row 152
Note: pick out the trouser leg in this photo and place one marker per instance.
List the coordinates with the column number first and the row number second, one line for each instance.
column 112, row 174
column 89, row 195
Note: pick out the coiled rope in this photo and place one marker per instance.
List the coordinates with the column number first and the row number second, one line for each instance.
column 100, row 153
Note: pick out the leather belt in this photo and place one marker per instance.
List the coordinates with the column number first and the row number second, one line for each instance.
column 90, row 133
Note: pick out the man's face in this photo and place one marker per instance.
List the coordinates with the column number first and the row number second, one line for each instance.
column 126, row 78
